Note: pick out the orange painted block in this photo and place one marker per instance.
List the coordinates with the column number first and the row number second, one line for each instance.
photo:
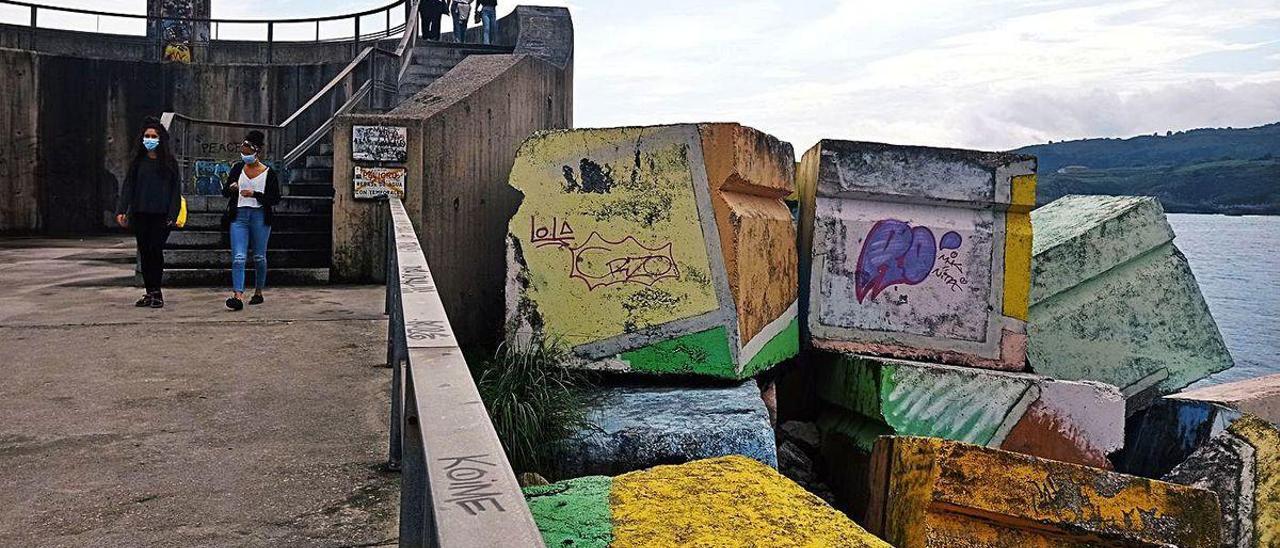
column 928, row 492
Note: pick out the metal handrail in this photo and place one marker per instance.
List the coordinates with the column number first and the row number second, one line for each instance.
column 321, row 19
column 457, row 487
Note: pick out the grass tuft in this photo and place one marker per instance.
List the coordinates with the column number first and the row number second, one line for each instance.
column 533, row 399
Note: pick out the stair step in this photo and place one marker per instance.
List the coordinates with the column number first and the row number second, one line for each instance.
column 320, row 161
column 288, row 204
column 221, row 277
column 299, row 222
column 310, row 190
column 419, row 73
column 214, row 239
column 306, row 174
column 221, row 258
column 325, row 149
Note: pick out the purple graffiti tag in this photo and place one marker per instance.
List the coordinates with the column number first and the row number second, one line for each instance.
column 893, row 253
column 950, row 240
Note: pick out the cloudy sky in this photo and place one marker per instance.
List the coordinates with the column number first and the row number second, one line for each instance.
column 976, row 73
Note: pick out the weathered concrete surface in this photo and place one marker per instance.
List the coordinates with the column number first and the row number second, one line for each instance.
column 638, row 427
column 1242, row 465
column 918, row 253
column 191, row 425
column 1257, row 397
column 730, row 501
column 664, row 250
column 1078, row 422
column 931, row 492
column 1114, row 301
column 1163, row 435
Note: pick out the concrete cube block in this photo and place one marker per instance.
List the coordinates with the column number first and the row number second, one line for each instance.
column 929, row 492
column 1241, row 465
column 915, row 252
column 662, row 250
column 1112, row 300
column 1164, row 434
column 1077, row 422
column 1258, row 397
column 637, row 427
column 728, row 501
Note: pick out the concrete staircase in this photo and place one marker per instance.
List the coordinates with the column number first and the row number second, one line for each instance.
column 301, row 234
column 431, row 60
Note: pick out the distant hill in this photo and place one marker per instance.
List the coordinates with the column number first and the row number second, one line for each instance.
column 1233, row 171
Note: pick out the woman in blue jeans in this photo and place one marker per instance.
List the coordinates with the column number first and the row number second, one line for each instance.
column 252, row 190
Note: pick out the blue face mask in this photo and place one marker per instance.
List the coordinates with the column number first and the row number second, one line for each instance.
column 249, row 158
column 150, row 143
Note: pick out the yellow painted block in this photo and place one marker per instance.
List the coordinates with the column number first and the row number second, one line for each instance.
column 602, row 264
column 935, row 493
column 1017, row 265
column 1265, row 439
column 729, row 501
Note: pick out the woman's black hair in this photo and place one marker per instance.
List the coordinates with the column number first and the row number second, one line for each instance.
column 256, row 138
column 164, row 152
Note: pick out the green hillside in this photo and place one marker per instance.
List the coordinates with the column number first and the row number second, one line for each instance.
column 1234, row 171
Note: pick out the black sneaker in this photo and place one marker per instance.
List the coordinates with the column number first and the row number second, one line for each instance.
column 235, row 304
column 145, row 301
column 157, row 300
column 256, row 299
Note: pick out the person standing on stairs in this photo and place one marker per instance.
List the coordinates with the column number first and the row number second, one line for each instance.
column 149, row 203
column 429, row 14
column 252, row 189
column 487, row 13
column 460, row 10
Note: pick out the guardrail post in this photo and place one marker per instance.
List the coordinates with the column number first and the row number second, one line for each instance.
column 271, row 41
column 387, row 32
column 317, row 30
column 31, row 36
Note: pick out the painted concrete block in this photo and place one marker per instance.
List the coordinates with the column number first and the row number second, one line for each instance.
column 929, row 492
column 1241, row 465
column 730, row 501
column 1163, row 435
column 1114, row 301
column 918, row 253
column 662, row 250
column 637, row 427
column 1077, row 422
column 1257, row 397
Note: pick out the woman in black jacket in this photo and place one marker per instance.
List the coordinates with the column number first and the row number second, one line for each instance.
column 149, row 203
column 252, row 190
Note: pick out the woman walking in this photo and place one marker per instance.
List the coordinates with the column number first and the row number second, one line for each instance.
column 460, row 10
column 149, row 203
column 252, row 190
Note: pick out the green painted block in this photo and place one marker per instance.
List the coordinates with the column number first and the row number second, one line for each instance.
column 1114, row 301
column 781, row 347
column 703, row 353
column 573, row 513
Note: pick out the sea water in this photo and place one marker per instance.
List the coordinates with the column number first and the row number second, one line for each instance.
column 1237, row 262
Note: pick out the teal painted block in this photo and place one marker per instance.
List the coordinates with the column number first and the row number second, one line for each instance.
column 1114, row 301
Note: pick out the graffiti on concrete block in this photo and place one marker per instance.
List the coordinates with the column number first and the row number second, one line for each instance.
column 426, row 330
column 602, row 263
column 178, row 30
column 380, row 144
column 471, row 483
column 896, row 253
column 210, row 175
column 379, row 182
column 558, row 233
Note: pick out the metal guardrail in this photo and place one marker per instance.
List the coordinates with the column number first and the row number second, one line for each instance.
column 378, row 72
column 267, row 25
column 457, row 487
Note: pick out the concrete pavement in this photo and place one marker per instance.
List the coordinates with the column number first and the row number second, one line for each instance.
column 188, row 426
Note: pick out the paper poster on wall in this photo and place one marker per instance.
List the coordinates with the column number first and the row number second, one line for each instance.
column 379, row 182
column 177, row 31
column 380, row 143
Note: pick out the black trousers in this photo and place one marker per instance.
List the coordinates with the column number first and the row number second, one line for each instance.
column 430, row 21
column 152, row 231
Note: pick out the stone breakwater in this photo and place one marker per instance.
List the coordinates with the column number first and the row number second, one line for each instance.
column 978, row 374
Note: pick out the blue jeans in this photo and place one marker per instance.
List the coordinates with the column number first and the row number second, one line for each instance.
column 460, row 29
column 249, row 226
column 489, row 18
